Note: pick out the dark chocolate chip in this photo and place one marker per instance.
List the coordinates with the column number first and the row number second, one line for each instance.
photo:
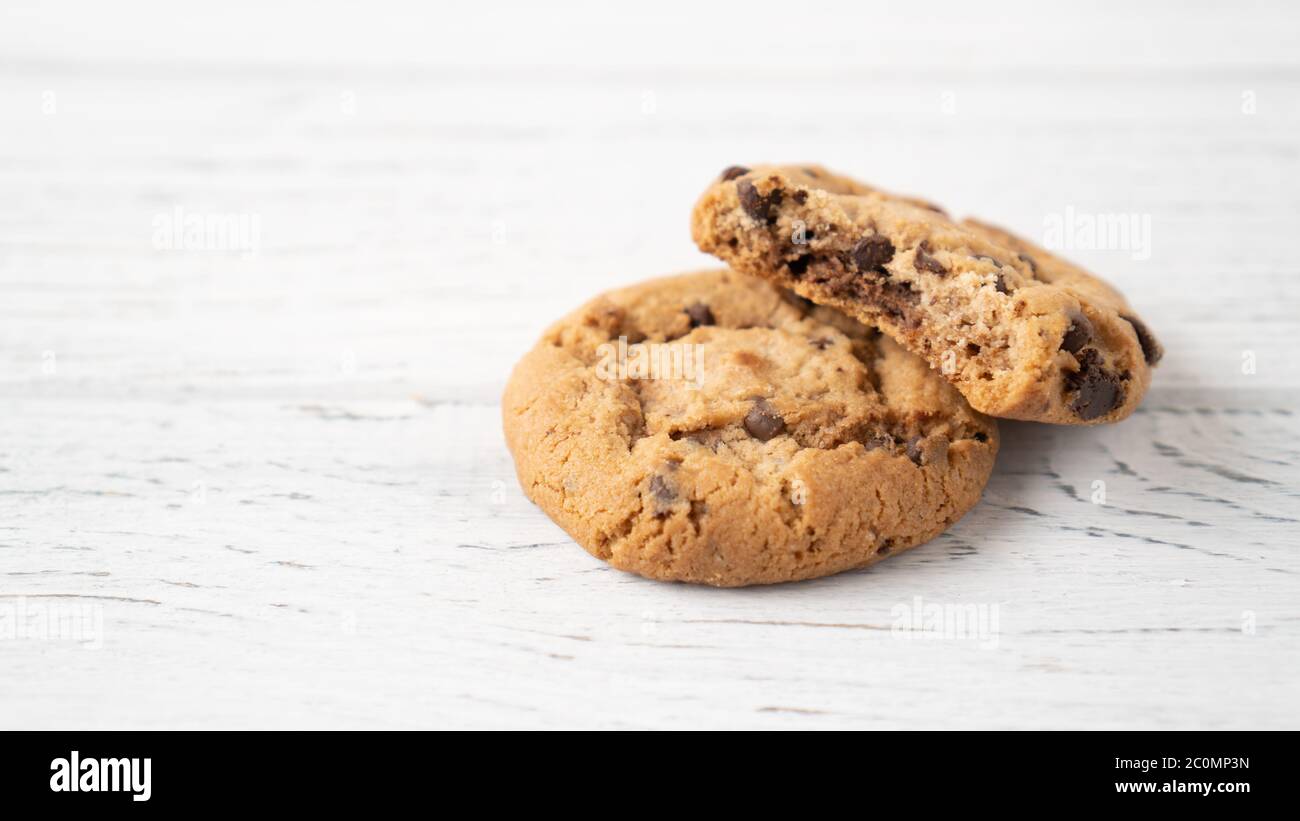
column 938, row 450
column 1028, row 260
column 699, row 314
column 1077, row 335
column 1088, row 359
column 872, row 253
column 812, row 172
column 922, row 261
column 1151, row 349
column 799, row 266
column 927, row 450
column 734, row 171
column 1097, row 390
column 762, row 422
column 1097, row 397
column 756, row 205
column 881, row 441
column 914, row 451
column 896, row 298
column 800, row 196
column 1001, row 282
column 660, row 489
column 981, row 436
column 885, row 546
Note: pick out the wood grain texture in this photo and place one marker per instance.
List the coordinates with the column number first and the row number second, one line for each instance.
column 272, row 485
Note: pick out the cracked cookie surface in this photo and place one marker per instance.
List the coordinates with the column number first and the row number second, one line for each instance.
column 1022, row 333
column 714, row 428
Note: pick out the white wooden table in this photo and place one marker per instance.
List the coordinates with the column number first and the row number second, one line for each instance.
column 269, row 489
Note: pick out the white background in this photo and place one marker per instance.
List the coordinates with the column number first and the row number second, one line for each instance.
column 271, row 488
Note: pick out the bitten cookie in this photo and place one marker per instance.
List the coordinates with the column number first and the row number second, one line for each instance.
column 1021, row 333
column 714, row 428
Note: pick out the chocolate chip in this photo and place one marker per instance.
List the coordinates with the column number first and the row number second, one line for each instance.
column 1077, row 335
column 885, row 546
column 988, row 258
column 800, row 265
column 812, row 172
column 914, row 451
column 1151, row 349
column 924, row 450
column 881, row 441
column 1001, row 285
column 1097, row 390
column 751, row 201
column 756, row 205
column 1097, row 397
column 895, row 297
column 1028, row 260
column 922, row 261
column 903, row 290
column 660, row 489
column 699, row 314
column 734, row 171
column 871, row 253
column 981, row 436
column 937, row 451
column 800, row 196
column 1088, row 359
column 762, row 422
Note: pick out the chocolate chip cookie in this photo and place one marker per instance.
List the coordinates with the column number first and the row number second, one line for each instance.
column 714, row 428
column 1020, row 332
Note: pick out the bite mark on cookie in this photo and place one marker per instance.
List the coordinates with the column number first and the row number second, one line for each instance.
column 889, row 264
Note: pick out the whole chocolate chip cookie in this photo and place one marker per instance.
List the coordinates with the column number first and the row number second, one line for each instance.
column 714, row 428
column 1021, row 333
